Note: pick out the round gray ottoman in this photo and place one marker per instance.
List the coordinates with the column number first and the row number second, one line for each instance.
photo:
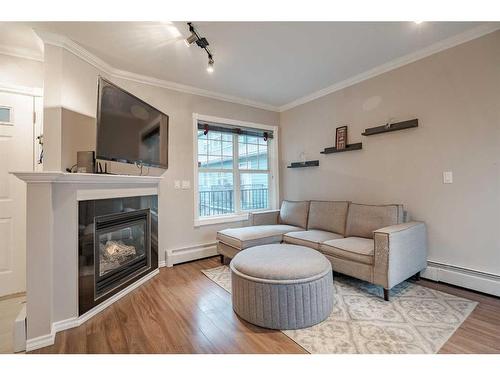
column 282, row 286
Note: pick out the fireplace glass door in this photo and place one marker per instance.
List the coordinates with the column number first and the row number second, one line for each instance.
column 121, row 247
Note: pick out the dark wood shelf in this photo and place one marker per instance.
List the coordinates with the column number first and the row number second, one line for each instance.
column 394, row 127
column 310, row 163
column 351, row 147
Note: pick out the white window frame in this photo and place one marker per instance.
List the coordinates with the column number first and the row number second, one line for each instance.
column 273, row 171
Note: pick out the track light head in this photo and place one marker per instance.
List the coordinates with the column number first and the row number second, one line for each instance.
column 210, row 67
column 190, row 39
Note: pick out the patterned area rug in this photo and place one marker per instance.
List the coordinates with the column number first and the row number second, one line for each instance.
column 416, row 320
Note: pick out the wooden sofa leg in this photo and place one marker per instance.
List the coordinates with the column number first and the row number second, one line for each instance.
column 417, row 276
column 222, row 259
column 386, row 294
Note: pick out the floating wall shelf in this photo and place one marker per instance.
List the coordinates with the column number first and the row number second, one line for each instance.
column 394, row 127
column 310, row 163
column 351, row 147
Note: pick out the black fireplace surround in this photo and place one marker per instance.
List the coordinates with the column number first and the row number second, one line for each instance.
column 117, row 245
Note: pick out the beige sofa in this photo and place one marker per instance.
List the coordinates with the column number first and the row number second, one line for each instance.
column 374, row 243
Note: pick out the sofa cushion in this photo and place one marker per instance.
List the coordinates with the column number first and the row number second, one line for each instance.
column 242, row 238
column 329, row 216
column 356, row 249
column 294, row 213
column 363, row 219
column 310, row 238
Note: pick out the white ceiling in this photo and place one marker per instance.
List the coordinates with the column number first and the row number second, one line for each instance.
column 273, row 63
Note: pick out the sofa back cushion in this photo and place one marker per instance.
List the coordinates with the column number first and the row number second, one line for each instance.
column 363, row 219
column 294, row 213
column 328, row 215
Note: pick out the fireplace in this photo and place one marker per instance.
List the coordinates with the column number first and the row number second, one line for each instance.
column 121, row 248
column 118, row 244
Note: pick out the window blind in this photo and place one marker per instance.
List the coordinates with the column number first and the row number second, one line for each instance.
column 211, row 126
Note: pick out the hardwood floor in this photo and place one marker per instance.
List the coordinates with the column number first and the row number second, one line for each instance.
column 182, row 311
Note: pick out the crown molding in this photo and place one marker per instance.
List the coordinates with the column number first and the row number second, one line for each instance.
column 23, row 53
column 397, row 63
column 73, row 47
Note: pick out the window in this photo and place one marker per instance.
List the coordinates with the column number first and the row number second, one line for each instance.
column 5, row 115
column 234, row 169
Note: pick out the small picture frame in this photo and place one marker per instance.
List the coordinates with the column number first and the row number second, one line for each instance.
column 341, row 137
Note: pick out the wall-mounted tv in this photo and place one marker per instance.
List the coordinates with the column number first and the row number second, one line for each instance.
column 128, row 129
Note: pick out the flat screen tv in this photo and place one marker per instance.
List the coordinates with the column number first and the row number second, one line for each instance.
column 128, row 129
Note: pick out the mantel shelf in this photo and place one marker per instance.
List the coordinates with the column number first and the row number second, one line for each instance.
column 85, row 178
column 351, row 147
column 305, row 164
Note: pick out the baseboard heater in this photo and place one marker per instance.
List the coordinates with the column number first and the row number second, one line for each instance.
column 464, row 277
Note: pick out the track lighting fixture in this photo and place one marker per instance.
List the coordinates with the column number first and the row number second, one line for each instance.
column 201, row 42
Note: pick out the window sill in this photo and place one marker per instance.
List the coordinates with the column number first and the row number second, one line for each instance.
column 220, row 219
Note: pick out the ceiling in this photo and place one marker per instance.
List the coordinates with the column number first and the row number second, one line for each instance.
column 273, row 63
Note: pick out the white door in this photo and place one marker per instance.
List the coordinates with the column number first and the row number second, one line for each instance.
column 16, row 154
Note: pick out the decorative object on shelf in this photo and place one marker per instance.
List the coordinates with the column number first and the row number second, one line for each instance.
column 85, row 161
column 351, row 147
column 391, row 127
column 389, row 123
column 304, row 164
column 302, row 157
column 341, row 137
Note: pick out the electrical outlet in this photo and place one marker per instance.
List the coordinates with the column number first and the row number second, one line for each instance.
column 448, row 177
column 186, row 184
column 177, row 184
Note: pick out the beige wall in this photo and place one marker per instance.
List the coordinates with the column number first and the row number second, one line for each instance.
column 16, row 71
column 76, row 94
column 455, row 94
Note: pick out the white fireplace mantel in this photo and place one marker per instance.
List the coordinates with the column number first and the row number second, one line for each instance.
column 52, row 244
column 84, row 178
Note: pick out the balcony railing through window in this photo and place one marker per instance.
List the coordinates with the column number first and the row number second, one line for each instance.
column 220, row 202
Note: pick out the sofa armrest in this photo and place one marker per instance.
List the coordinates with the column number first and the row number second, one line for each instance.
column 400, row 252
column 270, row 217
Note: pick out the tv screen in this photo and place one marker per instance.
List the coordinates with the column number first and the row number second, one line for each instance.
column 128, row 129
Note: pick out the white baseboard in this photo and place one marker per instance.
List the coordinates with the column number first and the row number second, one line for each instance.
column 466, row 278
column 187, row 254
column 41, row 341
column 20, row 331
column 61, row 325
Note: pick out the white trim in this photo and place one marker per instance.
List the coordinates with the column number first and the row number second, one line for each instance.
column 397, row 63
column 79, row 51
column 83, row 195
column 21, row 90
column 61, row 325
column 190, row 253
column 20, row 331
column 22, row 53
column 464, row 277
column 220, row 219
column 273, row 152
column 41, row 341
column 85, row 178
